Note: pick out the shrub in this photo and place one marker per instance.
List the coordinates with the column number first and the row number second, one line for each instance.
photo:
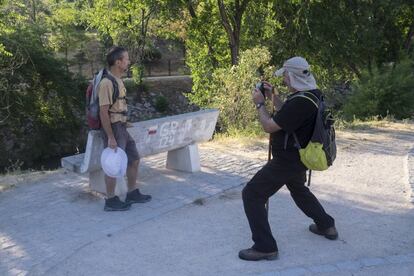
column 384, row 91
column 161, row 103
column 130, row 86
column 230, row 90
column 40, row 104
column 137, row 73
column 151, row 54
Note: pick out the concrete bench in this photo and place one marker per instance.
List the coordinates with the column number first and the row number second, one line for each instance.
column 178, row 135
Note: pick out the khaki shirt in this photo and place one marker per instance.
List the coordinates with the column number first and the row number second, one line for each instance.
column 105, row 91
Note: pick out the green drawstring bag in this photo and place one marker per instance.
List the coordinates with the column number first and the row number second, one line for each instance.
column 313, row 157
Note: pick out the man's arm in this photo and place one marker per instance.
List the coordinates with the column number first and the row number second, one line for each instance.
column 277, row 101
column 267, row 122
column 106, row 125
column 272, row 93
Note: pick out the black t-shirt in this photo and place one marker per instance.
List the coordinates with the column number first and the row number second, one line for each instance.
column 296, row 115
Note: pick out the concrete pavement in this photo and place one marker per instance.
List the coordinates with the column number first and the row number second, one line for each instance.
column 195, row 223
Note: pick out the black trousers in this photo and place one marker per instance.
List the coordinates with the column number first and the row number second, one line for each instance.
column 267, row 182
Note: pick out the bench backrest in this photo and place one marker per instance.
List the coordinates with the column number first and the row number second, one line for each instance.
column 173, row 132
column 152, row 137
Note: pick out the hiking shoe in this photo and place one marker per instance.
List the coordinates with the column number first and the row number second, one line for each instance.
column 115, row 204
column 251, row 254
column 135, row 196
column 330, row 233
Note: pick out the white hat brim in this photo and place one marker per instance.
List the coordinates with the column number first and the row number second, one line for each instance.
column 109, row 154
column 279, row 72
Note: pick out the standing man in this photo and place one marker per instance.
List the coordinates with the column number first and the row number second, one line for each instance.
column 297, row 115
column 113, row 115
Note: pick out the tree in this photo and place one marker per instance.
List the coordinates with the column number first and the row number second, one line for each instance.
column 40, row 103
column 64, row 33
column 231, row 19
column 214, row 22
column 345, row 36
column 127, row 24
column 388, row 90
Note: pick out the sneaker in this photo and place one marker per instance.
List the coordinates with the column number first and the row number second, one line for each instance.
column 251, row 254
column 135, row 196
column 115, row 204
column 330, row 233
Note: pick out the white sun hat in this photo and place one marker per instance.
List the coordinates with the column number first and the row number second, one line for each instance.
column 114, row 164
column 299, row 74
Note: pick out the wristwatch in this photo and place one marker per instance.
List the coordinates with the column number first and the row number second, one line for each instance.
column 259, row 105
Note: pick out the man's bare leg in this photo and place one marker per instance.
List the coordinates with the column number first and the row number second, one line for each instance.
column 132, row 174
column 110, row 186
column 134, row 195
column 112, row 202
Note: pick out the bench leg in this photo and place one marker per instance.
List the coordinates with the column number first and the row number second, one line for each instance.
column 184, row 159
column 97, row 183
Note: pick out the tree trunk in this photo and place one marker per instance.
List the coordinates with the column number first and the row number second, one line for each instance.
column 409, row 39
column 66, row 59
column 34, row 12
column 232, row 25
column 145, row 18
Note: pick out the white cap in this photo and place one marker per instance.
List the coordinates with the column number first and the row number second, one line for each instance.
column 114, row 164
column 299, row 74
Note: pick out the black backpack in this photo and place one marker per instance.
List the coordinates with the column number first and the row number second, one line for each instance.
column 320, row 152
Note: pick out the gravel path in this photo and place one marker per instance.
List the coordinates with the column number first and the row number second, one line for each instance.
column 195, row 225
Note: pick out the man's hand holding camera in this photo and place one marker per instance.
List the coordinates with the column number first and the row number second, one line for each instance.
column 262, row 91
column 265, row 90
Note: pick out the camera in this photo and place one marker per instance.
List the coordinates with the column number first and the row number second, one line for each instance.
column 260, row 86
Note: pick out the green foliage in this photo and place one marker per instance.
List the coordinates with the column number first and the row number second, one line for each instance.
column 127, row 24
column 151, row 54
column 343, row 40
column 386, row 90
column 230, row 90
column 344, row 37
column 161, row 103
column 40, row 102
column 206, row 50
column 137, row 73
column 63, row 25
column 131, row 86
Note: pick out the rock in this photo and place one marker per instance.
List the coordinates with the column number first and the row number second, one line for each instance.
column 142, row 108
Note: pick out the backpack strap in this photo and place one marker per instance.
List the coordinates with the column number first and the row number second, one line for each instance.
column 96, row 80
column 286, row 141
column 315, row 101
column 309, row 177
column 115, row 95
column 297, row 144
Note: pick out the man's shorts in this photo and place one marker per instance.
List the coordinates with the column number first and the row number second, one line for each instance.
column 124, row 141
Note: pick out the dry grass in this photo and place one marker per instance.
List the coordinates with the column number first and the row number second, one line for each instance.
column 250, row 143
column 401, row 125
column 387, row 123
column 248, row 146
column 241, row 142
column 12, row 179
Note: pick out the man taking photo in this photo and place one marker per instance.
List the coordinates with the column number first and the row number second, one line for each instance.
column 296, row 115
